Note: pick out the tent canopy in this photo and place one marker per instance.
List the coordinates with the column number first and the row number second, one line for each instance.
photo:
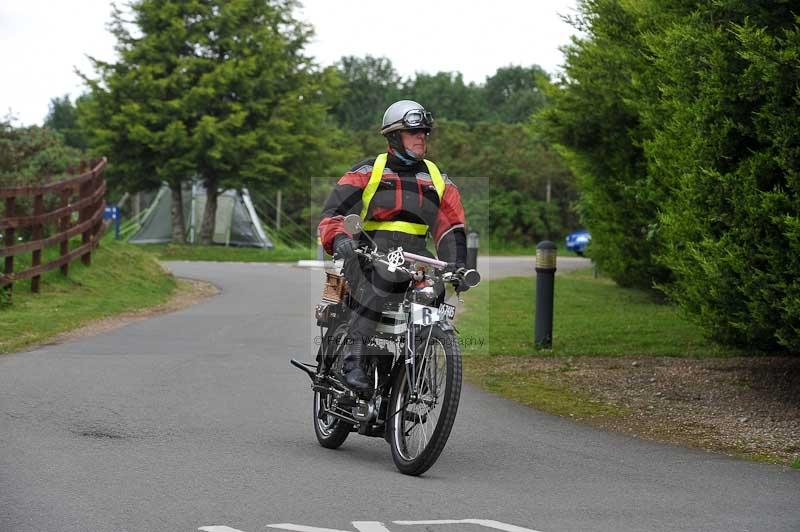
column 236, row 223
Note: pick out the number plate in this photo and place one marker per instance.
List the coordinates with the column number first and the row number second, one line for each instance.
column 422, row 315
column 447, row 311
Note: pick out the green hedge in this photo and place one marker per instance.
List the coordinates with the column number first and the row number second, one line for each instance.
column 733, row 142
column 682, row 121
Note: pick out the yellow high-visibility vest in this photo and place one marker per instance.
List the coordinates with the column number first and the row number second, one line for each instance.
column 372, row 186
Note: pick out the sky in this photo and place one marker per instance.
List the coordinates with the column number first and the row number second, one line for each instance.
column 42, row 42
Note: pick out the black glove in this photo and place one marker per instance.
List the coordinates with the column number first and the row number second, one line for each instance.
column 454, row 267
column 460, row 285
column 344, row 247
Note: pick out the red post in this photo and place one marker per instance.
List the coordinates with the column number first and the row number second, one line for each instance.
column 38, row 209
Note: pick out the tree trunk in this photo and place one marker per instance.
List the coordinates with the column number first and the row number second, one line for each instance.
column 137, row 205
column 178, row 226
column 210, row 213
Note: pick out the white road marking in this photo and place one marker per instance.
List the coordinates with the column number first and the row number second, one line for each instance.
column 488, row 523
column 370, row 526
column 303, row 528
column 361, row 526
column 377, row 526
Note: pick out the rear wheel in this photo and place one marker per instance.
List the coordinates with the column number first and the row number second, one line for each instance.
column 331, row 431
column 419, row 425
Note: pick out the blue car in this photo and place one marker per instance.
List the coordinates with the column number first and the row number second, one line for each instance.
column 578, row 241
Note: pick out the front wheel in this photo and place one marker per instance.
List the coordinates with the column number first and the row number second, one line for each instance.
column 420, row 423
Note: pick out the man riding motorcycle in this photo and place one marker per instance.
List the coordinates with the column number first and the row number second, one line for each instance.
column 401, row 197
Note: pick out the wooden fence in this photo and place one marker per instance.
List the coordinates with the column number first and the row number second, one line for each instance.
column 83, row 194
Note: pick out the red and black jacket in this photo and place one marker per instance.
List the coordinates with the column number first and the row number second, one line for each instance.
column 406, row 193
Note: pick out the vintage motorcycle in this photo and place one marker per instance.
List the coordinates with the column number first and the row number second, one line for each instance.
column 414, row 360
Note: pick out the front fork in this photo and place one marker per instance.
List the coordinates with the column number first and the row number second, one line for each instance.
column 411, row 349
column 411, row 344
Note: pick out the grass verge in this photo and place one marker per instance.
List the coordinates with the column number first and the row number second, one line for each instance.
column 624, row 361
column 544, row 389
column 121, row 278
column 228, row 254
column 591, row 317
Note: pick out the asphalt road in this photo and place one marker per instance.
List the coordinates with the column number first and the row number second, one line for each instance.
column 196, row 420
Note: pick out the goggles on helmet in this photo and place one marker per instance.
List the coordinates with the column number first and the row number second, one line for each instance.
column 418, row 118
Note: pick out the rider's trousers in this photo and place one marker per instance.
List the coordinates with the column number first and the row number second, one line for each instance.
column 370, row 287
column 370, row 291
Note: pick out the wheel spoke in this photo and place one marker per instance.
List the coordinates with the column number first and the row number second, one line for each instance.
column 424, row 432
column 432, row 414
column 422, row 366
column 401, row 409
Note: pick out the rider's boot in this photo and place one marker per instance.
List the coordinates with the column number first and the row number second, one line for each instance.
column 354, row 376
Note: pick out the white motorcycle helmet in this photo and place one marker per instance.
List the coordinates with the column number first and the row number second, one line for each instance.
column 406, row 114
column 403, row 116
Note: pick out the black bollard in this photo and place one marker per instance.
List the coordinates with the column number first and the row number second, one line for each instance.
column 545, row 281
column 472, row 250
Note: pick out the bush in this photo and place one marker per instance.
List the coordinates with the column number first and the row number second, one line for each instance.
column 596, row 120
column 33, row 155
column 732, row 137
column 30, row 154
column 682, row 122
column 512, row 217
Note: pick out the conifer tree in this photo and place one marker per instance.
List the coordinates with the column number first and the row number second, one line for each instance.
column 211, row 89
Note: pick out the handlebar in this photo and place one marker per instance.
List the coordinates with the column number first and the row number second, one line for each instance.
column 433, row 262
column 460, row 277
